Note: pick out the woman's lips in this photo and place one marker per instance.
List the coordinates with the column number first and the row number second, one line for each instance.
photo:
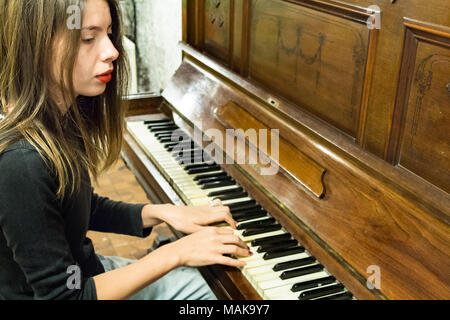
column 105, row 77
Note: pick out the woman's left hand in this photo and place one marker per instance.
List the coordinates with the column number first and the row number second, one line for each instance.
column 190, row 219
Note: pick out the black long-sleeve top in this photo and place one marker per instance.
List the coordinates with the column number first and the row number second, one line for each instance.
column 41, row 238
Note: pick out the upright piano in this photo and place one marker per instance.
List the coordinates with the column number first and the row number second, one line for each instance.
column 324, row 126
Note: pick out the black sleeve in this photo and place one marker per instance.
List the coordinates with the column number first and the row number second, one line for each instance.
column 33, row 227
column 116, row 217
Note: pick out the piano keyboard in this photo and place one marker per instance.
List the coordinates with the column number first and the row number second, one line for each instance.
column 280, row 268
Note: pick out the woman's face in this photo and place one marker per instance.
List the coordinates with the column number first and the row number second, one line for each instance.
column 94, row 62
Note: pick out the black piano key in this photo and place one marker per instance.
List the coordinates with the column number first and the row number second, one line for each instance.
column 277, row 245
column 172, row 134
column 229, row 196
column 246, row 208
column 262, row 229
column 194, row 161
column 196, row 166
column 293, row 263
column 168, row 128
column 164, row 139
column 218, row 193
column 250, row 215
column 214, row 179
column 170, row 144
column 265, row 240
column 163, row 132
column 183, row 143
column 241, row 205
column 338, row 296
column 282, row 252
column 176, row 135
column 217, row 184
column 156, row 122
column 262, row 222
column 182, row 146
column 188, row 157
column 169, row 137
column 313, row 284
column 301, row 271
column 320, row 292
column 210, row 175
column 208, row 168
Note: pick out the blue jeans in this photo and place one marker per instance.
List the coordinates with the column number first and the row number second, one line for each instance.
column 182, row 283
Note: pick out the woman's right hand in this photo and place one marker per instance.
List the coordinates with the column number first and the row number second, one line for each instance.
column 207, row 247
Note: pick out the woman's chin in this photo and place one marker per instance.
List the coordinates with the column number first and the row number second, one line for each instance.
column 93, row 92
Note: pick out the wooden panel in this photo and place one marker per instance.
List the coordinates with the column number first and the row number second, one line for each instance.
column 420, row 139
column 217, row 28
column 313, row 58
column 142, row 103
column 288, row 158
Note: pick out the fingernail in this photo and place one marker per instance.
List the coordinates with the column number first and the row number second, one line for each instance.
column 249, row 252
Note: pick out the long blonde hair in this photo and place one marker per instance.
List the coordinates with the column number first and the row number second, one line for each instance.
column 89, row 135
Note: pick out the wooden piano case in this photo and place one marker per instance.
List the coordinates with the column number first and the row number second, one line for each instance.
column 362, row 110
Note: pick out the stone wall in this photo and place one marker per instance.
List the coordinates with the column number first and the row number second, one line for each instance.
column 155, row 27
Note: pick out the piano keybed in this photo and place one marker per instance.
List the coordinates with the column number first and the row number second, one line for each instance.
column 280, row 268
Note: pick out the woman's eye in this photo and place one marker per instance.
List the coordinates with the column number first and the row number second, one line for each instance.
column 88, row 40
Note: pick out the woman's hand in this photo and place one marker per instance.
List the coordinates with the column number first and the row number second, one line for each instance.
column 190, row 219
column 207, row 247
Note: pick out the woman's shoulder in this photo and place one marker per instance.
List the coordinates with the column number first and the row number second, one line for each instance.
column 21, row 144
column 19, row 156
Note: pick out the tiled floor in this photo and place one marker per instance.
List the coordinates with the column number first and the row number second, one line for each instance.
column 120, row 184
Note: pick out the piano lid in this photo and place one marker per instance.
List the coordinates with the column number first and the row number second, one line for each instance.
column 364, row 213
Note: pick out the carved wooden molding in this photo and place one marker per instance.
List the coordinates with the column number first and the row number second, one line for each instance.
column 359, row 15
column 415, row 31
column 343, row 10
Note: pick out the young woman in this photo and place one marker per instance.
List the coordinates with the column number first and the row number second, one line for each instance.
column 60, row 90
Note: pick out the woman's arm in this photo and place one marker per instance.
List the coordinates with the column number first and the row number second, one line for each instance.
column 205, row 247
column 122, row 283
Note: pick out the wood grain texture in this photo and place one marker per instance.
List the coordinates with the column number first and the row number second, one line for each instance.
column 420, row 141
column 286, row 157
column 320, row 55
column 362, row 221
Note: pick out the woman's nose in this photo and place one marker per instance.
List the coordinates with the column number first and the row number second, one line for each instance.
column 110, row 52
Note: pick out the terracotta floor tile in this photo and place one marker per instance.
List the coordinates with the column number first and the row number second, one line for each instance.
column 119, row 184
